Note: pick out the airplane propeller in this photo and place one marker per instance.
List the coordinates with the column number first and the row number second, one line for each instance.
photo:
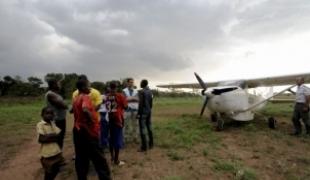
column 204, row 106
column 204, row 88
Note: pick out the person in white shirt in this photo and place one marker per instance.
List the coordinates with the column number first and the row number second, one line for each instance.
column 301, row 109
column 104, row 123
column 131, row 123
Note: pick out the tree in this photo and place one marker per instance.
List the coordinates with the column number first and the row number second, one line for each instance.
column 35, row 82
column 55, row 76
column 68, row 84
column 100, row 86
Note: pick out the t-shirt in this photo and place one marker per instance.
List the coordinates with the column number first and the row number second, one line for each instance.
column 94, row 94
column 95, row 97
column 301, row 93
column 52, row 148
column 145, row 101
column 103, row 107
column 80, row 119
column 130, row 94
column 116, row 103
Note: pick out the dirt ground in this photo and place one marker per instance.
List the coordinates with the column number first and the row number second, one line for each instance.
column 271, row 154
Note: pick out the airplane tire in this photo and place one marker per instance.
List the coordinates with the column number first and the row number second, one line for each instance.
column 214, row 117
column 220, row 124
column 272, row 123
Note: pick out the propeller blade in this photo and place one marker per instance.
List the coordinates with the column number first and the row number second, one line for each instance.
column 202, row 84
column 204, row 106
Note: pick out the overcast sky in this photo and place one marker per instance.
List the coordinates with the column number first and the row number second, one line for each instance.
column 162, row 40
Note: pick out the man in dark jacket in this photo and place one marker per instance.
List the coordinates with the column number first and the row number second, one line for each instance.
column 144, row 115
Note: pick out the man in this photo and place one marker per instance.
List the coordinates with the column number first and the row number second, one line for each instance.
column 116, row 103
column 131, row 124
column 94, row 94
column 144, row 115
column 57, row 103
column 86, row 135
column 301, row 109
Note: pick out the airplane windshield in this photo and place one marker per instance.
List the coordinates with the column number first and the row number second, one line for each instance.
column 239, row 83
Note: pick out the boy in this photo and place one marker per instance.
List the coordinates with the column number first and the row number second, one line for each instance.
column 116, row 103
column 50, row 152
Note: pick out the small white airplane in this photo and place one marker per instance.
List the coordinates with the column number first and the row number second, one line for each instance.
column 232, row 99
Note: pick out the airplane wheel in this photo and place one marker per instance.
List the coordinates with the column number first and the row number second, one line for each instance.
column 272, row 123
column 214, row 117
column 220, row 124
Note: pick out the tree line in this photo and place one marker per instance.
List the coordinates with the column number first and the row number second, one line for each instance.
column 34, row 86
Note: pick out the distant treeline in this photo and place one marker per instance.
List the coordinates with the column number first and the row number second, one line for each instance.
column 16, row 87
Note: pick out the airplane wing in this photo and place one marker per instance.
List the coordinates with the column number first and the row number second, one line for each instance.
column 249, row 83
column 277, row 80
column 187, row 85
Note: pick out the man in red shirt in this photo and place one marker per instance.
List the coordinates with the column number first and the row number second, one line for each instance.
column 116, row 103
column 86, row 135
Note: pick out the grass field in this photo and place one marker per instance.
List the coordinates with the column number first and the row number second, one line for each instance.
column 17, row 120
column 186, row 145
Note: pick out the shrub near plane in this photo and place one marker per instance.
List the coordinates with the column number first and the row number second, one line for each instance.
column 232, row 99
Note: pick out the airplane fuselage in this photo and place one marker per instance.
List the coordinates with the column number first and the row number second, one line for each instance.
column 233, row 103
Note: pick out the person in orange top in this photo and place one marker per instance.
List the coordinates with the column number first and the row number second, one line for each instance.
column 86, row 135
column 116, row 104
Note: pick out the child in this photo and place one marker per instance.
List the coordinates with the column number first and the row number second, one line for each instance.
column 116, row 103
column 49, row 134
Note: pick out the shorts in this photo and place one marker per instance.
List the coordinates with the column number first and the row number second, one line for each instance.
column 116, row 136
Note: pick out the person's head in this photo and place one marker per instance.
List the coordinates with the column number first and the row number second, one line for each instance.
column 82, row 86
column 84, row 78
column 130, row 83
column 47, row 113
column 53, row 85
column 144, row 83
column 300, row 80
column 113, row 86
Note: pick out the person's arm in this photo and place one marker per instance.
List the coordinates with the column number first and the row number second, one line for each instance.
column 48, row 138
column 86, row 108
column 97, row 98
column 307, row 96
column 56, row 102
column 151, row 103
column 87, row 114
column 141, row 102
column 125, row 102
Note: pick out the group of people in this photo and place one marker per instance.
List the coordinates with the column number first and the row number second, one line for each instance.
column 101, row 121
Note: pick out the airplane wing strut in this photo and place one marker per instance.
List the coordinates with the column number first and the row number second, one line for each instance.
column 261, row 102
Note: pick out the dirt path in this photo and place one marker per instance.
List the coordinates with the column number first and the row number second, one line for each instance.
column 25, row 165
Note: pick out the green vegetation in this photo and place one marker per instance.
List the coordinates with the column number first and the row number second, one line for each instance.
column 17, row 120
column 278, row 109
column 182, row 132
column 235, row 168
column 175, row 156
column 184, row 142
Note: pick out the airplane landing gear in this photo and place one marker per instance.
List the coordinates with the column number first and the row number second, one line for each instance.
column 272, row 123
column 220, row 124
column 214, row 117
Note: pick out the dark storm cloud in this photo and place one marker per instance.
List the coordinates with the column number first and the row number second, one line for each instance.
column 113, row 39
